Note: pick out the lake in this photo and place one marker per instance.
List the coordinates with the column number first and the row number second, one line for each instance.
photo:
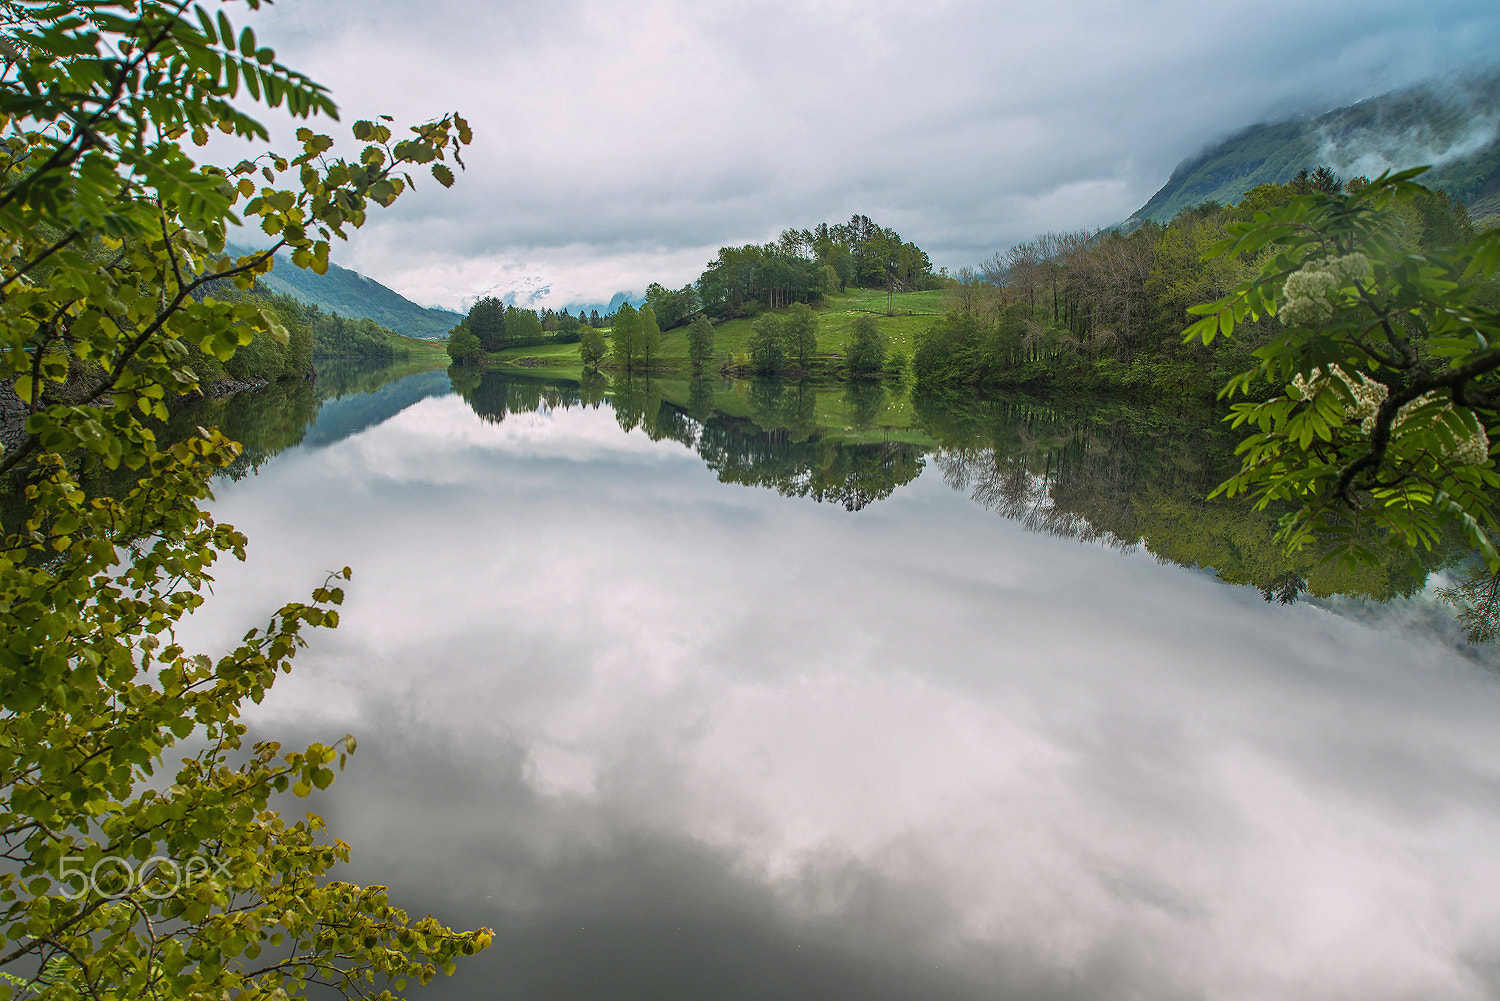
column 735, row 705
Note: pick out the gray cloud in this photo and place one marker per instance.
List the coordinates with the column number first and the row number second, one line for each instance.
column 619, row 143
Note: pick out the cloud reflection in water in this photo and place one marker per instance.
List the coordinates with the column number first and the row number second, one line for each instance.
column 678, row 739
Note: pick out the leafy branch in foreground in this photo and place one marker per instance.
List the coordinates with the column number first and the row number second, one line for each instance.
column 117, row 884
column 1385, row 406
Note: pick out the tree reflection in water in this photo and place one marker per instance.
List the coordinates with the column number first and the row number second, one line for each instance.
column 1123, row 476
column 1130, row 477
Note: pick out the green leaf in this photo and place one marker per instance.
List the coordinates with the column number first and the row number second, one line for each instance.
column 206, row 24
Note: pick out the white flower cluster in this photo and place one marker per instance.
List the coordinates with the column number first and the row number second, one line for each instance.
column 1472, row 450
column 1368, row 394
column 1351, row 268
column 1308, row 292
column 1307, row 301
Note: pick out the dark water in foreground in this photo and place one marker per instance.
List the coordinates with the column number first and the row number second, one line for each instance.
column 674, row 737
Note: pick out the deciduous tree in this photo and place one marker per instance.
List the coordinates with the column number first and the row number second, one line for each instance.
column 463, row 347
column 801, row 334
column 591, row 347
column 650, row 335
column 625, row 336
column 865, row 353
column 700, row 336
column 1383, row 380
column 767, row 345
column 126, row 877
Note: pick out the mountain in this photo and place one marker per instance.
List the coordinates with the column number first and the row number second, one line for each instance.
column 527, row 292
column 531, row 292
column 350, row 294
column 1454, row 126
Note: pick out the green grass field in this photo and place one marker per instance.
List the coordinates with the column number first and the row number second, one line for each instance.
column 915, row 312
column 932, row 303
column 419, row 347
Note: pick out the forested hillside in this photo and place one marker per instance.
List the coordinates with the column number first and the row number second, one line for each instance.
column 1107, row 310
column 353, row 296
column 1452, row 126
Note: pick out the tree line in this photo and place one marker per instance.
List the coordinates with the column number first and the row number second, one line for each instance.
column 491, row 325
column 310, row 333
column 1107, row 309
column 800, row 266
column 804, row 265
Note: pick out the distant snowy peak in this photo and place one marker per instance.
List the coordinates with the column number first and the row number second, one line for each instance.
column 527, row 292
column 532, row 292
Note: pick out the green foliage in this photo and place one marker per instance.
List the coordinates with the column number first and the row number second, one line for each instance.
column 650, row 335
column 625, row 337
column 1106, row 311
column 113, row 241
column 768, row 345
column 1383, row 379
column 486, row 321
column 801, row 334
column 591, row 347
column 464, row 347
column 500, row 327
column 522, row 327
column 865, row 354
column 335, row 336
column 700, row 337
column 672, row 309
column 266, row 356
column 805, row 265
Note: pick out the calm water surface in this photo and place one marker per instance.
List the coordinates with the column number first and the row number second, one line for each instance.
column 675, row 738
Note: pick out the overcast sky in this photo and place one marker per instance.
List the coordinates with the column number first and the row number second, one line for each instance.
column 620, row 143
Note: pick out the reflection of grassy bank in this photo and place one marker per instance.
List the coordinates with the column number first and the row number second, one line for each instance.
column 861, row 411
column 775, row 442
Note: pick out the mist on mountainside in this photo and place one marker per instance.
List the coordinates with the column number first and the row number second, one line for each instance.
column 1451, row 125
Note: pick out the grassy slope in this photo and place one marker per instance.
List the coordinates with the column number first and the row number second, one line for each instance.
column 420, row 348
column 915, row 312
